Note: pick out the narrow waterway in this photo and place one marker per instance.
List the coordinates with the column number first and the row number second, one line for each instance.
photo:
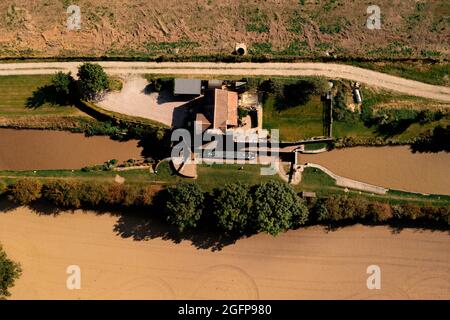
column 42, row 150
column 390, row 167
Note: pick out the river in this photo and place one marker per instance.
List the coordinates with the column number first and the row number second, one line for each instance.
column 391, row 167
column 43, row 150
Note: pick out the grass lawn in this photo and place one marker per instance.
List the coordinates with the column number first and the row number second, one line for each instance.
column 210, row 176
column 295, row 123
column 436, row 73
column 15, row 90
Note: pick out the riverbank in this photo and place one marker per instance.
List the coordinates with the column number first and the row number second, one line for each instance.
column 308, row 263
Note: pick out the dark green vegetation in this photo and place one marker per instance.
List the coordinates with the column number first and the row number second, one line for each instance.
column 92, row 82
column 9, row 272
column 434, row 140
column 294, row 106
column 298, row 108
column 231, row 209
column 386, row 118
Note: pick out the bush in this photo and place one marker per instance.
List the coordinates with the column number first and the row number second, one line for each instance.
column 92, row 82
column 139, row 196
column 63, row 193
column 3, row 187
column 92, row 194
column 380, row 212
column 115, row 195
column 9, row 272
column 231, row 205
column 184, row 205
column 277, row 208
column 62, row 82
column 25, row 191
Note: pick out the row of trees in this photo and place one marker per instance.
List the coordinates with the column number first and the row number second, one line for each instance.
column 75, row 194
column 270, row 207
column 234, row 209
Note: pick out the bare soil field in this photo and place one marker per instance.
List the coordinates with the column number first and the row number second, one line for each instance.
column 126, row 258
column 303, row 28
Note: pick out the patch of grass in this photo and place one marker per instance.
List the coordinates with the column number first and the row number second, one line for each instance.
column 115, row 84
column 171, row 47
column 258, row 21
column 15, row 91
column 432, row 73
column 215, row 175
column 295, row 123
column 315, row 146
column 297, row 23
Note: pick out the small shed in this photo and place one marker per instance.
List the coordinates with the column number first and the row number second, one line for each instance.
column 187, row 87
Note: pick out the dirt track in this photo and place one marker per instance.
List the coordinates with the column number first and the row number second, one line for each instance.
column 330, row 70
column 303, row 264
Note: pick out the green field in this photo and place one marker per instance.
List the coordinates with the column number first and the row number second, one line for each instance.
column 16, row 90
column 295, row 123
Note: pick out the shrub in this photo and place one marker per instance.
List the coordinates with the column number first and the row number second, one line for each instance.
column 25, row 191
column 277, row 208
column 9, row 272
column 231, row 205
column 3, row 187
column 92, row 194
column 62, row 83
column 63, row 193
column 184, row 205
column 380, row 212
column 115, row 195
column 93, row 81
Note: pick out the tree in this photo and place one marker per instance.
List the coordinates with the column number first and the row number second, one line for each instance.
column 62, row 83
column 3, row 187
column 9, row 272
column 184, row 205
column 231, row 205
column 93, row 81
column 63, row 193
column 277, row 208
column 25, row 191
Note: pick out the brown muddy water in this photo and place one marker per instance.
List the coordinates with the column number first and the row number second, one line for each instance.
column 43, row 150
column 390, row 167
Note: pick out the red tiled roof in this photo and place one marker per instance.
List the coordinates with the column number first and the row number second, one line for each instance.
column 225, row 108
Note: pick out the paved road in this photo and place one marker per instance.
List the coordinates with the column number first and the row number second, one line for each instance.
column 331, row 70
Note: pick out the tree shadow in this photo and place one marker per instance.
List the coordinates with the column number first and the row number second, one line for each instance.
column 141, row 227
column 46, row 94
column 7, row 205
